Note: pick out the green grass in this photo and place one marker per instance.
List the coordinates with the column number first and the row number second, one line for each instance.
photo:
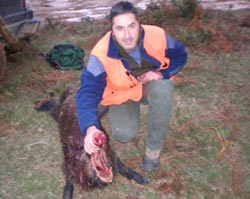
column 213, row 102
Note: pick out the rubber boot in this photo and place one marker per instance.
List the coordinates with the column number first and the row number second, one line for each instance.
column 151, row 160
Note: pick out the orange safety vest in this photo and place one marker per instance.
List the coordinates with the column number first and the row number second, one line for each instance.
column 122, row 86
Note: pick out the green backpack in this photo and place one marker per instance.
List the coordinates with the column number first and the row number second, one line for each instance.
column 66, row 56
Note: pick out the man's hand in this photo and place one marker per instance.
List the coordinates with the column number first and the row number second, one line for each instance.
column 150, row 76
column 94, row 140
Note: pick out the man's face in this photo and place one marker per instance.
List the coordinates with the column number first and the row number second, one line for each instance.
column 126, row 29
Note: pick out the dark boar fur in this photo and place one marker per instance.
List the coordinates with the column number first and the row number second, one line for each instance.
column 79, row 167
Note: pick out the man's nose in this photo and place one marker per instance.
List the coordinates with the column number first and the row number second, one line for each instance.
column 127, row 33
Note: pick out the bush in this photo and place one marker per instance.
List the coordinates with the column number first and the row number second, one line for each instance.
column 186, row 8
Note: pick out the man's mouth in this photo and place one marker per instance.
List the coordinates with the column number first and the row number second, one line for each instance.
column 128, row 42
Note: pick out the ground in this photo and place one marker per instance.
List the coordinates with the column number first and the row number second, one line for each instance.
column 206, row 154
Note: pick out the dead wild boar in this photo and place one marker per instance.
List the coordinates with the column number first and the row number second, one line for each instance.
column 87, row 171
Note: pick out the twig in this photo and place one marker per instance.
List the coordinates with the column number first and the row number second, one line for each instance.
column 224, row 143
column 36, row 143
column 22, row 158
column 32, row 90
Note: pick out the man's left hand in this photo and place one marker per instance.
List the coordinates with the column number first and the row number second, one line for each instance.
column 149, row 76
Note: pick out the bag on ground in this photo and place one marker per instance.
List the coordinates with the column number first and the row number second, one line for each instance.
column 66, row 56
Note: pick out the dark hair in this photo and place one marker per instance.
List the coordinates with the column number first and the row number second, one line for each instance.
column 123, row 7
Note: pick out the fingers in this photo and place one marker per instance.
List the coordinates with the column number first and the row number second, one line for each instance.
column 89, row 147
column 150, row 76
column 94, row 139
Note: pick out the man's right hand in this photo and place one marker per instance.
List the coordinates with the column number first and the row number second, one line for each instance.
column 94, row 140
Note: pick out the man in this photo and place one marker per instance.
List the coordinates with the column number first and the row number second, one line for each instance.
column 132, row 64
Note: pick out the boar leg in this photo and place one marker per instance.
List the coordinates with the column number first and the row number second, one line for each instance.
column 68, row 190
column 130, row 174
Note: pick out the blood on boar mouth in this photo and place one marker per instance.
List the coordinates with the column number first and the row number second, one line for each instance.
column 102, row 170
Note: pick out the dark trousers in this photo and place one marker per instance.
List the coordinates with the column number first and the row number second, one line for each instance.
column 124, row 118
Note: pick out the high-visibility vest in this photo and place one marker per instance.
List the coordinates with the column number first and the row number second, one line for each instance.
column 121, row 85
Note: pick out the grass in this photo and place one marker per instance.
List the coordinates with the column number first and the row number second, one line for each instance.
column 206, row 154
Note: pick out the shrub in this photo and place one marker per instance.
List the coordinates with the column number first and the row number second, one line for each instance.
column 186, row 8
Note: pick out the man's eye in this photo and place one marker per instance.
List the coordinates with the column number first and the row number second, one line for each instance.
column 119, row 28
column 132, row 26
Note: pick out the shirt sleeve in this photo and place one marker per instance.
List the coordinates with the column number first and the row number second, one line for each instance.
column 89, row 95
column 177, row 54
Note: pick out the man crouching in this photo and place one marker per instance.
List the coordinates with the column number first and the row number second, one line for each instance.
column 132, row 64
